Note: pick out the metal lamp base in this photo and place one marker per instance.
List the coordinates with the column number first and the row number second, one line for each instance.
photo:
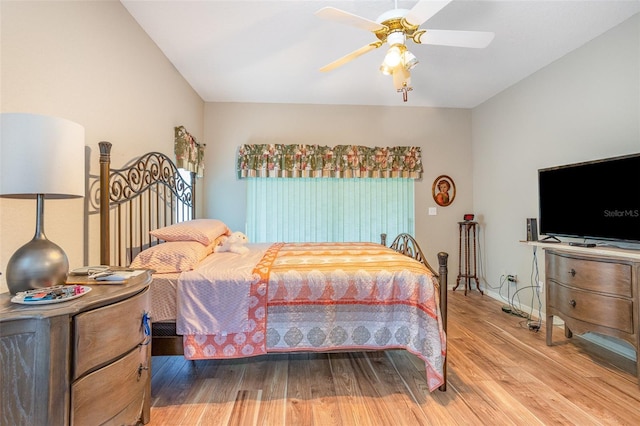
column 39, row 263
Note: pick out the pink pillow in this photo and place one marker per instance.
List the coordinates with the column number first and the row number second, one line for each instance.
column 204, row 231
column 176, row 256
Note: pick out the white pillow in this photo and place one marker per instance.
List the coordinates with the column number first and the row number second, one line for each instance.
column 204, row 231
column 175, row 256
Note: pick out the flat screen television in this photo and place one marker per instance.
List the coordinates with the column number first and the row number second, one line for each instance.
column 593, row 200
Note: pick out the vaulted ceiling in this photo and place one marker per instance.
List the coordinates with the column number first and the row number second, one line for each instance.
column 271, row 51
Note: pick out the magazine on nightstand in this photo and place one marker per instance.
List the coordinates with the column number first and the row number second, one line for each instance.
column 95, row 275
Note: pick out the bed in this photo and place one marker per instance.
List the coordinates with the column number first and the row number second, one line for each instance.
column 288, row 297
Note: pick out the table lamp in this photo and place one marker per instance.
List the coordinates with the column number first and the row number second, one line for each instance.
column 40, row 157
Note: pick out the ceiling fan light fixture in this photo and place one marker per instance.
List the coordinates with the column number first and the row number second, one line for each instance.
column 402, row 82
column 409, row 60
column 394, row 55
column 385, row 69
column 401, row 78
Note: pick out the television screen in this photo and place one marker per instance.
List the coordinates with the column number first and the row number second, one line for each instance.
column 597, row 199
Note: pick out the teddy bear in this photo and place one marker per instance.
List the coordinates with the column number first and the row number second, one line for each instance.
column 234, row 243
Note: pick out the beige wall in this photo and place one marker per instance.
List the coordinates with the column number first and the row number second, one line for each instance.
column 91, row 63
column 443, row 134
column 584, row 106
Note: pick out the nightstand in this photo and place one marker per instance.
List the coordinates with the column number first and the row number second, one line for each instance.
column 85, row 361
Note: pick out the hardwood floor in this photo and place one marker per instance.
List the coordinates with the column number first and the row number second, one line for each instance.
column 499, row 373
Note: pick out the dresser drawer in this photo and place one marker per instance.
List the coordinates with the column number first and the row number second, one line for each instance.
column 114, row 394
column 605, row 311
column 604, row 277
column 104, row 334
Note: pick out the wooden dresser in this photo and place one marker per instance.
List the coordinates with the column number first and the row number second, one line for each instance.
column 82, row 362
column 593, row 291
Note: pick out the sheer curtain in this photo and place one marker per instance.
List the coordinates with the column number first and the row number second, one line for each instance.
column 328, row 209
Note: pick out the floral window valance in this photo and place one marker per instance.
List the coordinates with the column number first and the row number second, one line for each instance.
column 341, row 161
column 189, row 153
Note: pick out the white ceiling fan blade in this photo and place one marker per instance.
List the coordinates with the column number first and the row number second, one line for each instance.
column 333, row 14
column 339, row 62
column 424, row 10
column 473, row 39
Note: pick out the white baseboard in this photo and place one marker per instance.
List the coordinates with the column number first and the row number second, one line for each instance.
column 614, row 345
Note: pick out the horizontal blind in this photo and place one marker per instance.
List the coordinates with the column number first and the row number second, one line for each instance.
column 328, row 209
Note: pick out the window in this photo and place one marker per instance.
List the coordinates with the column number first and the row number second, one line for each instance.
column 182, row 210
column 328, row 209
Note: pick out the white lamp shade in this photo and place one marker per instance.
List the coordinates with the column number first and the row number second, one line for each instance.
column 41, row 155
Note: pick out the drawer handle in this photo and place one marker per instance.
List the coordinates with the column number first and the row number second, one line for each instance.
column 141, row 368
column 572, row 272
column 572, row 303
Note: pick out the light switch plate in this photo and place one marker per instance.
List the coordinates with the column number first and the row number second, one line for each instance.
column 433, row 211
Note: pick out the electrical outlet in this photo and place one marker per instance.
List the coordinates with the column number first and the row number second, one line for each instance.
column 541, row 286
column 512, row 278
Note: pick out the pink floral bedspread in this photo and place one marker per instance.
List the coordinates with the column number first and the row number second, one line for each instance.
column 335, row 296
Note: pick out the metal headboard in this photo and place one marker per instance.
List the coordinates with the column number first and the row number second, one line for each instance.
column 145, row 195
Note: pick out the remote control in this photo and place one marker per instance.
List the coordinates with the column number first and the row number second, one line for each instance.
column 582, row 244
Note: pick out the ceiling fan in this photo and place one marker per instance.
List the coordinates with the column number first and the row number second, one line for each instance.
column 394, row 28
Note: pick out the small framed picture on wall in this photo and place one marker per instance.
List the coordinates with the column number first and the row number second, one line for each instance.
column 444, row 190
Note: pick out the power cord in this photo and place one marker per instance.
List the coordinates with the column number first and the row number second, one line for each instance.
column 531, row 324
column 510, row 300
column 535, row 279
